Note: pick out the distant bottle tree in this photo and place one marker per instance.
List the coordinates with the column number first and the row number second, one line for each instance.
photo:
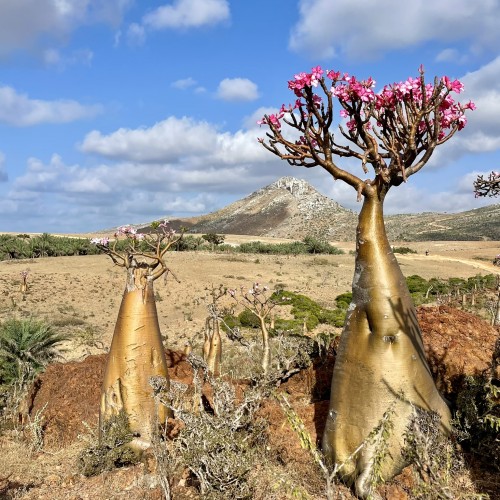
column 136, row 353
column 380, row 362
column 489, row 186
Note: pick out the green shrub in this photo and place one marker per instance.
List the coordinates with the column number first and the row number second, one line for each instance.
column 416, row 283
column 26, row 347
column 304, row 307
column 315, row 245
column 403, row 250
column 344, row 300
column 333, row 317
column 248, row 319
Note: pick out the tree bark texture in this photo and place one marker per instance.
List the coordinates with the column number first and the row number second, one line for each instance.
column 380, row 362
column 136, row 355
column 266, row 349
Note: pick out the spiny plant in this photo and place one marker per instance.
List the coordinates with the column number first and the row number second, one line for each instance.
column 221, row 439
column 26, row 347
column 111, row 450
column 438, row 469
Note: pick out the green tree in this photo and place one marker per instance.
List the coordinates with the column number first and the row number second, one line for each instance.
column 214, row 239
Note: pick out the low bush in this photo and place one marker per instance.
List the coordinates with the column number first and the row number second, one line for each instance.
column 111, row 451
column 403, row 250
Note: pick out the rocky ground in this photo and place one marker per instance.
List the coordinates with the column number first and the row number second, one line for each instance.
column 82, row 295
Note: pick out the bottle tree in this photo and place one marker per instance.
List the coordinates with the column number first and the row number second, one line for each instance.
column 489, row 186
column 380, row 362
column 136, row 353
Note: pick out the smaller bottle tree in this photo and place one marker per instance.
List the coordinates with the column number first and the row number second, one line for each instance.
column 489, row 186
column 257, row 301
column 136, row 353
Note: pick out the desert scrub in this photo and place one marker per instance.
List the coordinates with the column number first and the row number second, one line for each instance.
column 424, row 291
column 403, row 250
column 304, row 309
column 477, row 418
column 222, row 441
column 112, row 451
column 438, row 470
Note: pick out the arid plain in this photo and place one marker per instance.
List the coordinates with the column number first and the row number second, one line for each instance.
column 82, row 294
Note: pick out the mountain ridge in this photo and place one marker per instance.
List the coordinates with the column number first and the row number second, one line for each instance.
column 292, row 208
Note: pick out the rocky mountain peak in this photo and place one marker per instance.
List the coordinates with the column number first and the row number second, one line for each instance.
column 296, row 187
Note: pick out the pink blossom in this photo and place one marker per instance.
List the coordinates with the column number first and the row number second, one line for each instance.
column 333, row 75
column 100, row 241
column 351, row 124
column 454, row 86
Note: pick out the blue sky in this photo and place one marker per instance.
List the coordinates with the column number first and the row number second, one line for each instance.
column 121, row 111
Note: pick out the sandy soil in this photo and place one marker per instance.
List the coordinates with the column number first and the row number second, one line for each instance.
column 82, row 294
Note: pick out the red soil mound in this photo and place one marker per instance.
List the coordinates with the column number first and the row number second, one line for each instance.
column 457, row 344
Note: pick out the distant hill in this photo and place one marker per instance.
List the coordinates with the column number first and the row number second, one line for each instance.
column 292, row 208
column 478, row 224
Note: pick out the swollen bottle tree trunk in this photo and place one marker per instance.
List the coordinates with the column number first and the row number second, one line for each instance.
column 266, row 348
column 380, row 363
column 380, row 373
column 136, row 355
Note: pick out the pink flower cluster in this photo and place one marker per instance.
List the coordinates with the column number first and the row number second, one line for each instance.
column 100, row 241
column 349, row 91
column 130, row 232
column 256, row 289
column 302, row 80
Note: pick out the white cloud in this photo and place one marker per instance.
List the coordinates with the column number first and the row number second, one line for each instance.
column 237, row 89
column 136, row 34
column 19, row 110
column 23, row 23
column 452, row 55
column 179, row 140
column 54, row 57
column 165, row 141
column 153, row 172
column 184, row 83
column 187, row 14
column 361, row 29
column 3, row 173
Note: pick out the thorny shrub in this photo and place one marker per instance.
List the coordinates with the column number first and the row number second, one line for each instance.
column 477, row 415
column 111, row 450
column 438, row 469
column 221, row 440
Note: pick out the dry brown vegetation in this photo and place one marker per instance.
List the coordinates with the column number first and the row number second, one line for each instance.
column 81, row 296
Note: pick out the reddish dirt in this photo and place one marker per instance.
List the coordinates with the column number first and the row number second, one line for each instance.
column 457, row 344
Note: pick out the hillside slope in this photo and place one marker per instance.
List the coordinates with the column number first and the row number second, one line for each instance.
column 292, row 208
